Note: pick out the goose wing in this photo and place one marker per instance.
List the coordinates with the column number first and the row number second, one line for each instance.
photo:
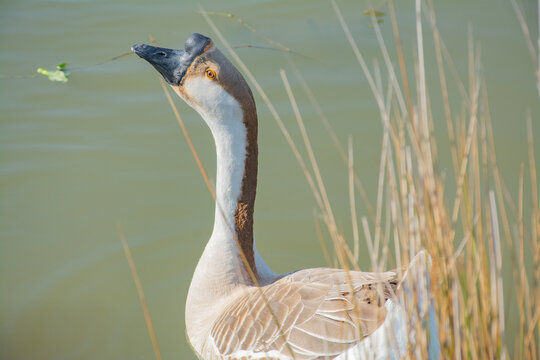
column 309, row 314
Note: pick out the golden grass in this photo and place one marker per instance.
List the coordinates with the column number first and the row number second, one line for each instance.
column 468, row 289
column 140, row 293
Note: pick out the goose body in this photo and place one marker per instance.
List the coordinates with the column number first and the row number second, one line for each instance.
column 237, row 307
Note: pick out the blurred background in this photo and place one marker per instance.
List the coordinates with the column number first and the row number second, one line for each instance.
column 104, row 148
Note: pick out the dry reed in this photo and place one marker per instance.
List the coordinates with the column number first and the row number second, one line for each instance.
column 461, row 232
column 140, row 293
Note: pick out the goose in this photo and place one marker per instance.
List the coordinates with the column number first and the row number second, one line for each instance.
column 237, row 307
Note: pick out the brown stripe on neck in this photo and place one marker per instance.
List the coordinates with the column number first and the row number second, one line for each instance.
column 234, row 83
column 243, row 217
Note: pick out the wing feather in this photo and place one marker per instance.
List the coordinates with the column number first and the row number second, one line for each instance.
column 315, row 313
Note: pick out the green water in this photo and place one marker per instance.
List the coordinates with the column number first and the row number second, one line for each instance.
column 76, row 159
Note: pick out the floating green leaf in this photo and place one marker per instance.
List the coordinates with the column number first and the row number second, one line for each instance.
column 59, row 75
column 375, row 13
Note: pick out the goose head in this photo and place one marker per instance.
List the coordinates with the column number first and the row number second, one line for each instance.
column 203, row 77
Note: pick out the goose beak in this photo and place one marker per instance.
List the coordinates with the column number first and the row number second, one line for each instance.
column 168, row 62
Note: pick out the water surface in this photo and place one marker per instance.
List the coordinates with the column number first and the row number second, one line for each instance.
column 76, row 159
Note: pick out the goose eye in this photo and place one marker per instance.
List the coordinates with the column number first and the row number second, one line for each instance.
column 211, row 74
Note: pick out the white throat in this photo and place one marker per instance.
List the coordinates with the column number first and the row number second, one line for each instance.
column 224, row 117
column 220, row 271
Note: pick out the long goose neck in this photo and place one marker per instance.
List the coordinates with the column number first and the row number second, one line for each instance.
column 233, row 122
column 221, row 268
column 236, row 183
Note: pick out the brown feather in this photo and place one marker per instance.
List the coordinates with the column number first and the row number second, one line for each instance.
column 320, row 314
